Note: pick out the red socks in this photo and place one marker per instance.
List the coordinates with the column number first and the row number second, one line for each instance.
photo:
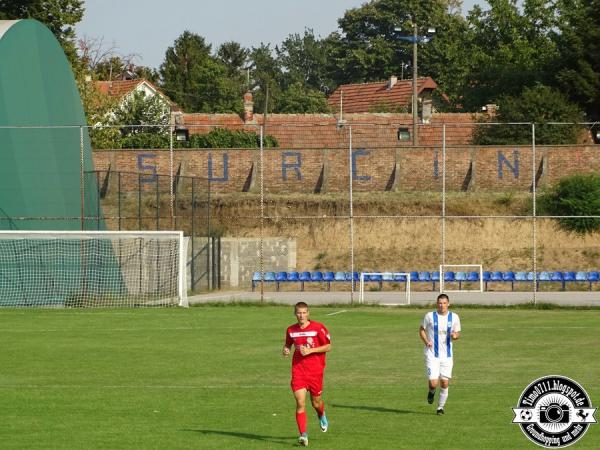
column 301, row 421
column 321, row 410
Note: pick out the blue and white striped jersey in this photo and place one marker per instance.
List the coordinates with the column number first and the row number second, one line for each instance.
column 438, row 329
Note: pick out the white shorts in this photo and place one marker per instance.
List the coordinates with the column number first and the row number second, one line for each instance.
column 438, row 367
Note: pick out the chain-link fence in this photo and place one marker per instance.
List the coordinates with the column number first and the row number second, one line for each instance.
column 305, row 203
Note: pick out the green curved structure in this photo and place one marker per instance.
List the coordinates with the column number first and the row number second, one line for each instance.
column 41, row 133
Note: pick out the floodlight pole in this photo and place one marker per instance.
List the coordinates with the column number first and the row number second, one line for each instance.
column 414, row 88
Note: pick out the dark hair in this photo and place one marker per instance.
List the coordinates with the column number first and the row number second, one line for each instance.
column 300, row 305
column 443, row 296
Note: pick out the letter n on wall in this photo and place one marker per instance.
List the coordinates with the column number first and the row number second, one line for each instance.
column 513, row 167
column 356, row 154
column 225, row 176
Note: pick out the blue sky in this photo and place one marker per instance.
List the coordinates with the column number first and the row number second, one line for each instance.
column 147, row 28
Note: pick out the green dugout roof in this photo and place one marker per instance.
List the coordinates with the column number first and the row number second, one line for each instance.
column 41, row 134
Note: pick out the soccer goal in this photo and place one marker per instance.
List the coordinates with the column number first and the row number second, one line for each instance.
column 459, row 274
column 92, row 268
column 386, row 277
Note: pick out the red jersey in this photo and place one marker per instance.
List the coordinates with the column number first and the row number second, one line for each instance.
column 314, row 335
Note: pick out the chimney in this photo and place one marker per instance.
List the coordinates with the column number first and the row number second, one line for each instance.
column 248, row 107
column 392, row 82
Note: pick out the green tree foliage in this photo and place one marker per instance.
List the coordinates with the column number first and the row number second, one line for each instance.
column 578, row 67
column 305, row 60
column 506, row 49
column 539, row 104
column 235, row 58
column 58, row 15
column 369, row 49
column 300, row 99
column 143, row 114
column 196, row 80
column 575, row 195
column 225, row 138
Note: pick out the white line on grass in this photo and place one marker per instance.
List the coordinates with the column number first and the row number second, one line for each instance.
column 337, row 312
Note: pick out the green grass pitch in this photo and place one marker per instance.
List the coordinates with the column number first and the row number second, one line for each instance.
column 213, row 377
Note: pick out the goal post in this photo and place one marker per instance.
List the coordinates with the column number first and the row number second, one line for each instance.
column 386, row 277
column 92, row 268
column 459, row 274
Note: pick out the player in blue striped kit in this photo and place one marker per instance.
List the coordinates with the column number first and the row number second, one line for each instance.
column 438, row 329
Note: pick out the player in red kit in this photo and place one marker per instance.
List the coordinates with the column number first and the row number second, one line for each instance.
column 311, row 341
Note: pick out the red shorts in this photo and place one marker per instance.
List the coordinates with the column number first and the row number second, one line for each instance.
column 313, row 383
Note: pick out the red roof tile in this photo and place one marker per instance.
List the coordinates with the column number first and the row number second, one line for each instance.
column 366, row 97
column 319, row 131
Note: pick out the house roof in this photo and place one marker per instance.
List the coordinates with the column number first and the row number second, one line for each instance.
column 120, row 88
column 365, row 97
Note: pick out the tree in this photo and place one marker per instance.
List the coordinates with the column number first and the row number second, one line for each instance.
column 304, row 60
column 234, row 56
column 58, row 15
column 540, row 104
column 369, row 49
column 300, row 99
column 506, row 50
column 197, row 81
column 575, row 195
column 143, row 112
column 577, row 67
column 265, row 74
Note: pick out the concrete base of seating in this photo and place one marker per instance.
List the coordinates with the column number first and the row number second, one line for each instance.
column 417, row 298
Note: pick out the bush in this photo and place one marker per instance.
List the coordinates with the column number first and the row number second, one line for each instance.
column 575, row 195
column 224, row 138
column 539, row 104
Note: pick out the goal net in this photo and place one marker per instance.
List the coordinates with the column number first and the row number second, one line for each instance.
column 461, row 278
column 377, row 280
column 92, row 268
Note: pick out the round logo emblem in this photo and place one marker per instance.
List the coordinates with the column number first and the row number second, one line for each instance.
column 554, row 411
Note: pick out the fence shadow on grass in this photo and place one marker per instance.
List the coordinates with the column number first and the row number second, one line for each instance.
column 255, row 437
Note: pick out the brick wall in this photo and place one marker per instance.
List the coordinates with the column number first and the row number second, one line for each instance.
column 378, row 169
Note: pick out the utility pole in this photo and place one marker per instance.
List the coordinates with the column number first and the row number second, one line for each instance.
column 415, row 112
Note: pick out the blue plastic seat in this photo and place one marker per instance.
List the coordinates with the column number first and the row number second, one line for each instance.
column 293, row 276
column 581, row 276
column 414, row 276
column 387, row 277
column 316, row 276
column 558, row 276
column 487, row 277
column 460, row 277
column 328, row 277
column 255, row 279
column 340, row 276
column 509, row 276
column 377, row 279
column 304, row 277
column 424, row 277
column 269, row 276
column 497, row 276
column 400, row 278
column 593, row 277
column 449, row 276
column 279, row 278
column 435, row 277
column 473, row 276
column 521, row 276
column 568, row 277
